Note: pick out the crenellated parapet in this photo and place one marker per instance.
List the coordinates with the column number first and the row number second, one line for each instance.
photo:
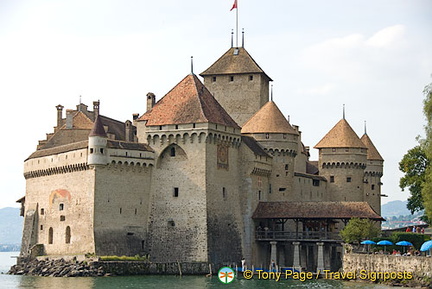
column 343, row 165
column 194, row 133
column 373, row 174
column 56, row 170
column 281, row 152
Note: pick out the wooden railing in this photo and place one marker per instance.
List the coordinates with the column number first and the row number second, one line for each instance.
column 283, row 235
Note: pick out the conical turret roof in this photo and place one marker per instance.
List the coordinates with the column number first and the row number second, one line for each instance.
column 188, row 102
column 340, row 136
column 98, row 129
column 269, row 119
column 372, row 153
column 235, row 61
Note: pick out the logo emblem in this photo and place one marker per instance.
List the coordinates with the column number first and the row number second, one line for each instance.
column 226, row 275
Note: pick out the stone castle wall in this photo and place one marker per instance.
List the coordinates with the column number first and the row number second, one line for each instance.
column 64, row 201
column 178, row 230
column 250, row 94
column 122, row 204
column 224, row 223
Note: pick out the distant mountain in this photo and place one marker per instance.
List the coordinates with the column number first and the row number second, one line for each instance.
column 11, row 225
column 395, row 208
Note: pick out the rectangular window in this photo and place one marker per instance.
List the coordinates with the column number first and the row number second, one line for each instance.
column 231, row 78
column 214, row 79
column 348, row 179
column 315, row 183
column 250, row 77
column 61, row 207
column 372, row 187
column 42, row 211
column 62, row 218
column 223, row 192
column 282, row 189
column 331, row 179
column 259, row 195
column 286, row 167
column 41, row 227
column 176, row 192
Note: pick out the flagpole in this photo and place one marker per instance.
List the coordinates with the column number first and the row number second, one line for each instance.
column 237, row 33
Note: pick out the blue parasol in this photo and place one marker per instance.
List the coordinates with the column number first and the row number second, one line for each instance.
column 404, row 243
column 368, row 242
column 384, row 243
column 426, row 246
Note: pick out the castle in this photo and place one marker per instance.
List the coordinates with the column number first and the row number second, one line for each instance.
column 212, row 172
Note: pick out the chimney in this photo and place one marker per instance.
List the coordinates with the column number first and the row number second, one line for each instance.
column 135, row 117
column 69, row 118
column 59, row 115
column 96, row 105
column 128, row 130
column 151, row 100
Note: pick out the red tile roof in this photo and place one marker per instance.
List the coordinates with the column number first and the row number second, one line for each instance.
column 315, row 210
column 269, row 119
column 341, row 136
column 188, row 102
column 235, row 61
column 373, row 153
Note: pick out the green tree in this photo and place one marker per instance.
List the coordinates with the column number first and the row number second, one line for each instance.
column 413, row 165
column 427, row 187
column 359, row 229
column 416, row 166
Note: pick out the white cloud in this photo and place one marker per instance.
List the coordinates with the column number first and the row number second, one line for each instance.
column 387, row 37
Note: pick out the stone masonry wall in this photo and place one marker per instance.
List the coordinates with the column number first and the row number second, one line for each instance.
column 64, row 199
column 122, row 202
column 420, row 267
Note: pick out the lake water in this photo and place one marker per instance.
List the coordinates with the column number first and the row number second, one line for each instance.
column 165, row 282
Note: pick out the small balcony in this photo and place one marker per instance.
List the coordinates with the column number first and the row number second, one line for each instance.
column 297, row 236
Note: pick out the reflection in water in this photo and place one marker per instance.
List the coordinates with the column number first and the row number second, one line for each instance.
column 186, row 282
column 164, row 282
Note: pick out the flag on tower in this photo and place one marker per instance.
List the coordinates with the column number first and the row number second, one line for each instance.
column 234, row 5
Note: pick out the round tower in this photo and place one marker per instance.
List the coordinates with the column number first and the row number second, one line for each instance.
column 342, row 161
column 97, row 147
column 278, row 138
column 372, row 175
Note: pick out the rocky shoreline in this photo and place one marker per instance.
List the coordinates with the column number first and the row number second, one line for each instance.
column 91, row 267
column 58, row 268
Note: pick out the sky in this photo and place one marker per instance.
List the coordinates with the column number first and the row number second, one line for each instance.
column 374, row 57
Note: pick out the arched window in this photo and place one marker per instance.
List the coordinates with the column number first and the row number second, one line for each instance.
column 50, row 235
column 68, row 235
